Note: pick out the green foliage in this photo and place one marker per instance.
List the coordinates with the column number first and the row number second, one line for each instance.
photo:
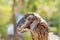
column 3, row 31
column 53, row 29
column 27, row 35
column 5, row 14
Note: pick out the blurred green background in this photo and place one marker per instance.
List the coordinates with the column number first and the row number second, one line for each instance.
column 48, row 9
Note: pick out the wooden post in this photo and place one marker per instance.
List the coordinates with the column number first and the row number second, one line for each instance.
column 15, row 13
column 14, row 21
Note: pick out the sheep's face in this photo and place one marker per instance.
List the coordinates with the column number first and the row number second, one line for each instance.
column 31, row 21
column 26, row 21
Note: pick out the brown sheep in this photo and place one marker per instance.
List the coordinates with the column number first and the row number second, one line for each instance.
column 37, row 26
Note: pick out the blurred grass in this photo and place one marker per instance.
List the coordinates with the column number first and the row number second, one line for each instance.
column 53, row 29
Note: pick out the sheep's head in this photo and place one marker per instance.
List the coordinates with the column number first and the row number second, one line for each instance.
column 36, row 25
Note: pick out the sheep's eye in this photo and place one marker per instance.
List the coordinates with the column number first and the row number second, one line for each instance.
column 29, row 18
